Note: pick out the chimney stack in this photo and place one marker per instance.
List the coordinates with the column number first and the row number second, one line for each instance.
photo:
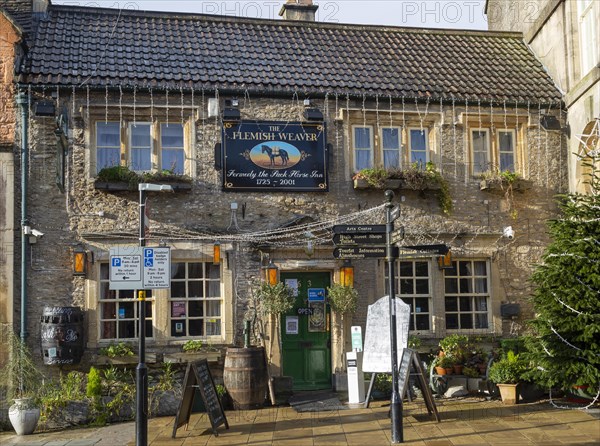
column 300, row 10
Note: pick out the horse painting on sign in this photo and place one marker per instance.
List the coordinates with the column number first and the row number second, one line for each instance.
column 274, row 153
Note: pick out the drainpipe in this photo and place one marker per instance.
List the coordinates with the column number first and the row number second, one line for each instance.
column 23, row 102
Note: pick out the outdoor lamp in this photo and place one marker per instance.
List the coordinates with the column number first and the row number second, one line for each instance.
column 216, row 253
column 271, row 273
column 445, row 261
column 79, row 262
column 347, row 274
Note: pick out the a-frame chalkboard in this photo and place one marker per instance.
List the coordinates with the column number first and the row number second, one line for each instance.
column 197, row 375
column 411, row 357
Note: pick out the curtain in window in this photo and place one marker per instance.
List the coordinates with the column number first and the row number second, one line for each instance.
column 362, row 147
column 391, row 147
column 480, row 151
column 418, row 148
column 172, row 148
column 507, row 151
column 108, row 145
column 141, row 147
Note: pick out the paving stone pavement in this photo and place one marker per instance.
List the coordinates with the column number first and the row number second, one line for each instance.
column 468, row 421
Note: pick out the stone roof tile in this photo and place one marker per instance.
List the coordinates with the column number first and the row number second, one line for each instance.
column 96, row 46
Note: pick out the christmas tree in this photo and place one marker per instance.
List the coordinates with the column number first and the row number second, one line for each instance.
column 565, row 346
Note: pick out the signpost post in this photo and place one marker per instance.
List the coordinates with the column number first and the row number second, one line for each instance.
column 396, row 403
column 141, row 371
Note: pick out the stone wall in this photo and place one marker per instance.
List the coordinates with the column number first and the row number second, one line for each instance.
column 97, row 219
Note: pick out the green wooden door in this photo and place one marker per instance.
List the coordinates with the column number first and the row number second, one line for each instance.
column 306, row 332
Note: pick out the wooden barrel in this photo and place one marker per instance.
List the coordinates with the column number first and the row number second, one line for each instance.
column 245, row 377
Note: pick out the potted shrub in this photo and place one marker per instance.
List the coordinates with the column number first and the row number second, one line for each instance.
column 506, row 374
column 444, row 365
column 22, row 380
column 456, row 346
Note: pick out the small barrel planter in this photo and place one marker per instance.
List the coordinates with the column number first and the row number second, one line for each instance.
column 245, row 377
column 61, row 331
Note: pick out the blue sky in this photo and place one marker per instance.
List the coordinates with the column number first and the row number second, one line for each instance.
column 462, row 14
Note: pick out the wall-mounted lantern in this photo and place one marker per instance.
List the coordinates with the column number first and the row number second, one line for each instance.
column 216, row 253
column 271, row 273
column 347, row 274
column 79, row 261
column 445, row 261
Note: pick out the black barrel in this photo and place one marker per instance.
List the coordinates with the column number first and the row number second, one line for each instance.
column 62, row 335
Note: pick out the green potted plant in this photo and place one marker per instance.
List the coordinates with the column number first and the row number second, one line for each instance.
column 21, row 378
column 506, row 374
column 444, row 365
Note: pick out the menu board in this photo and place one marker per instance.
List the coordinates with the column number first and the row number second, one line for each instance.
column 197, row 375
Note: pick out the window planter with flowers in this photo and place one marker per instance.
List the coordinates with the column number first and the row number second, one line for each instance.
column 412, row 178
column 121, row 178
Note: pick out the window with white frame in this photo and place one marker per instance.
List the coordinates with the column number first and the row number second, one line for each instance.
column 418, row 147
column 195, row 302
column 588, row 35
column 391, row 145
column 145, row 146
column 413, row 284
column 506, row 148
column 480, row 146
column 363, row 147
column 108, row 144
column 119, row 310
column 466, row 295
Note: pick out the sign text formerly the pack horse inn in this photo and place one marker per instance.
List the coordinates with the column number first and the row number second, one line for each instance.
column 274, row 156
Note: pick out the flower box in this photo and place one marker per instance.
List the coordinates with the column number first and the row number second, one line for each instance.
column 120, row 186
column 361, row 183
column 125, row 360
column 184, row 357
column 519, row 184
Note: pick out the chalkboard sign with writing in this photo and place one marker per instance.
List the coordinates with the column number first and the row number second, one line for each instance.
column 197, row 375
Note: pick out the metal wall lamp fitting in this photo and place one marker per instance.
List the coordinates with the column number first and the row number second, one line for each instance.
column 347, row 274
column 271, row 271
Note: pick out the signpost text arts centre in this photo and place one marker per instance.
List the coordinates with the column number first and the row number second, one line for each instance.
column 276, row 156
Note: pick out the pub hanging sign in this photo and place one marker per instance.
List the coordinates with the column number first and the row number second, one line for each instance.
column 274, row 156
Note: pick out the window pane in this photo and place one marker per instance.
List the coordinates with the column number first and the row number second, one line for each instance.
column 480, row 285
column 196, row 308
column 362, row 138
column 422, row 322
column 126, row 310
column 177, row 270
column 363, row 159
column 214, row 289
column 391, row 159
column 108, row 134
column 465, row 286
column 507, row 162
column 421, row 305
column 213, row 328
column 195, row 271
column 107, row 157
column 421, row 269
column 213, row 271
column 418, row 147
column 406, row 286
column 451, row 286
column 140, row 135
column 480, row 304
column 173, row 160
column 466, row 321
column 196, row 327
column 108, row 310
column 178, row 327
column 406, row 269
column 171, row 136
column 465, row 304
column 109, row 330
column 127, row 329
column 140, row 159
column 391, row 138
column 480, row 151
column 451, row 304
column 451, row 321
column 178, row 289
column 479, row 269
column 481, row 321
column 195, row 289
column 422, row 286
column 213, row 308
column 126, row 294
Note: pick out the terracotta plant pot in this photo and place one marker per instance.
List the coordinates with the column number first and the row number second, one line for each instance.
column 440, row 370
column 458, row 369
column 449, row 370
column 508, row 393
